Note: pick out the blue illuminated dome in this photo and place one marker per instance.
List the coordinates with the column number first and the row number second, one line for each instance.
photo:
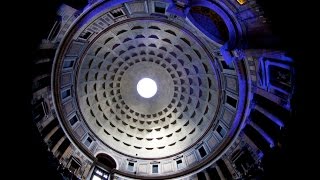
column 155, row 89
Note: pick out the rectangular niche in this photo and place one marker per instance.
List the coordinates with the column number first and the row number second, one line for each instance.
column 73, row 120
column 160, row 7
column 231, row 101
column 202, row 152
column 226, row 66
column 69, row 62
column 130, row 166
column 155, row 168
column 117, row 13
column 280, row 78
column 88, row 141
column 221, row 131
column 85, row 35
column 65, row 94
column 180, row 164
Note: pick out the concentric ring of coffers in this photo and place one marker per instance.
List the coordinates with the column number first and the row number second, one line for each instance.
column 152, row 128
column 197, row 99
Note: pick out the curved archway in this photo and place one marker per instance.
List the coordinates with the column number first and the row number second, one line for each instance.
column 106, row 160
column 210, row 23
column 221, row 13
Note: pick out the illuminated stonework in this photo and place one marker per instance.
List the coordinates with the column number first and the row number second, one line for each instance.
column 192, row 114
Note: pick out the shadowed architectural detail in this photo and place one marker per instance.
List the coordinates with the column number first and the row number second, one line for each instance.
column 210, row 22
column 106, row 160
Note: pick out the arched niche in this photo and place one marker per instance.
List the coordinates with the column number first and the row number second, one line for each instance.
column 106, row 160
column 210, row 23
column 223, row 28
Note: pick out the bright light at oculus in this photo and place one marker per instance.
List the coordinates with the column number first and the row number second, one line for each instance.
column 147, row 87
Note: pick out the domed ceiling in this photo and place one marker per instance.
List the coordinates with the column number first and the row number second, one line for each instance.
column 181, row 111
column 99, row 64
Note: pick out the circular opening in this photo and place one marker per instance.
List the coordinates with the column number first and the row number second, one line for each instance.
column 147, row 87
